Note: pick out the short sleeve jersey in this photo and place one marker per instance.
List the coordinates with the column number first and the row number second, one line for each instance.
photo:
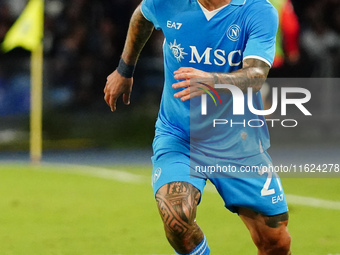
column 217, row 41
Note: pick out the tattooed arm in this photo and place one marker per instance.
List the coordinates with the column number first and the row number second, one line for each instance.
column 139, row 32
column 253, row 74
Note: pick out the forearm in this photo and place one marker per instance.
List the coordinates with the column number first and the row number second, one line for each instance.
column 139, row 32
column 252, row 75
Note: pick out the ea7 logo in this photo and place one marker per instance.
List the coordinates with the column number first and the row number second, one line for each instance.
column 175, row 25
column 238, row 100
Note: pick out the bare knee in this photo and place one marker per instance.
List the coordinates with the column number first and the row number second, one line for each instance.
column 177, row 204
column 273, row 242
column 269, row 233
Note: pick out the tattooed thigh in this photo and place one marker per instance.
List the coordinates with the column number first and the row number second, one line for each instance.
column 177, row 202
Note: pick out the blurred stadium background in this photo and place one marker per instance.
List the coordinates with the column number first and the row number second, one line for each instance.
column 82, row 45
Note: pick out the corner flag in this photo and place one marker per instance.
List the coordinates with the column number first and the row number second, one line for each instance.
column 27, row 31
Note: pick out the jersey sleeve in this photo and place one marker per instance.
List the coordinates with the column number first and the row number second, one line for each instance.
column 148, row 10
column 262, row 31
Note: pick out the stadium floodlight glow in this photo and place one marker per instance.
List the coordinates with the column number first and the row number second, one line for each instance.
column 238, row 100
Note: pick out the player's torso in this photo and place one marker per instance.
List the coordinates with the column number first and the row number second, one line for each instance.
column 215, row 45
column 192, row 39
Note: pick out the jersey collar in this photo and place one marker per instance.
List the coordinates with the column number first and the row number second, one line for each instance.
column 238, row 2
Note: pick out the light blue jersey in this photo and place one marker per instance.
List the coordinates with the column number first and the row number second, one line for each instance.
column 216, row 41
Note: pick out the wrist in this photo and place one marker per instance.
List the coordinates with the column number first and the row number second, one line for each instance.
column 125, row 70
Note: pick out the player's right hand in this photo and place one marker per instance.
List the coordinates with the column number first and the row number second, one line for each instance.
column 117, row 85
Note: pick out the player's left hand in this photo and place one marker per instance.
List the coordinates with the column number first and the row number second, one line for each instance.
column 190, row 91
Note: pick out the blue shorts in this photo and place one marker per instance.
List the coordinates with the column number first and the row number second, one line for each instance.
column 240, row 182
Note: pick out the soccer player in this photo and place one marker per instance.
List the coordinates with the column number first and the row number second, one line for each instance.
column 218, row 42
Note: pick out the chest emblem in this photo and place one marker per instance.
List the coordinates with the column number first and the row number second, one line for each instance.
column 233, row 32
column 177, row 51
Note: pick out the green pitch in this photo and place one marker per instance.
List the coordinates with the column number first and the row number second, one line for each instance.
column 51, row 209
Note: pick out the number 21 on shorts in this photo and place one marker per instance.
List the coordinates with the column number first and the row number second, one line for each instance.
column 265, row 190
